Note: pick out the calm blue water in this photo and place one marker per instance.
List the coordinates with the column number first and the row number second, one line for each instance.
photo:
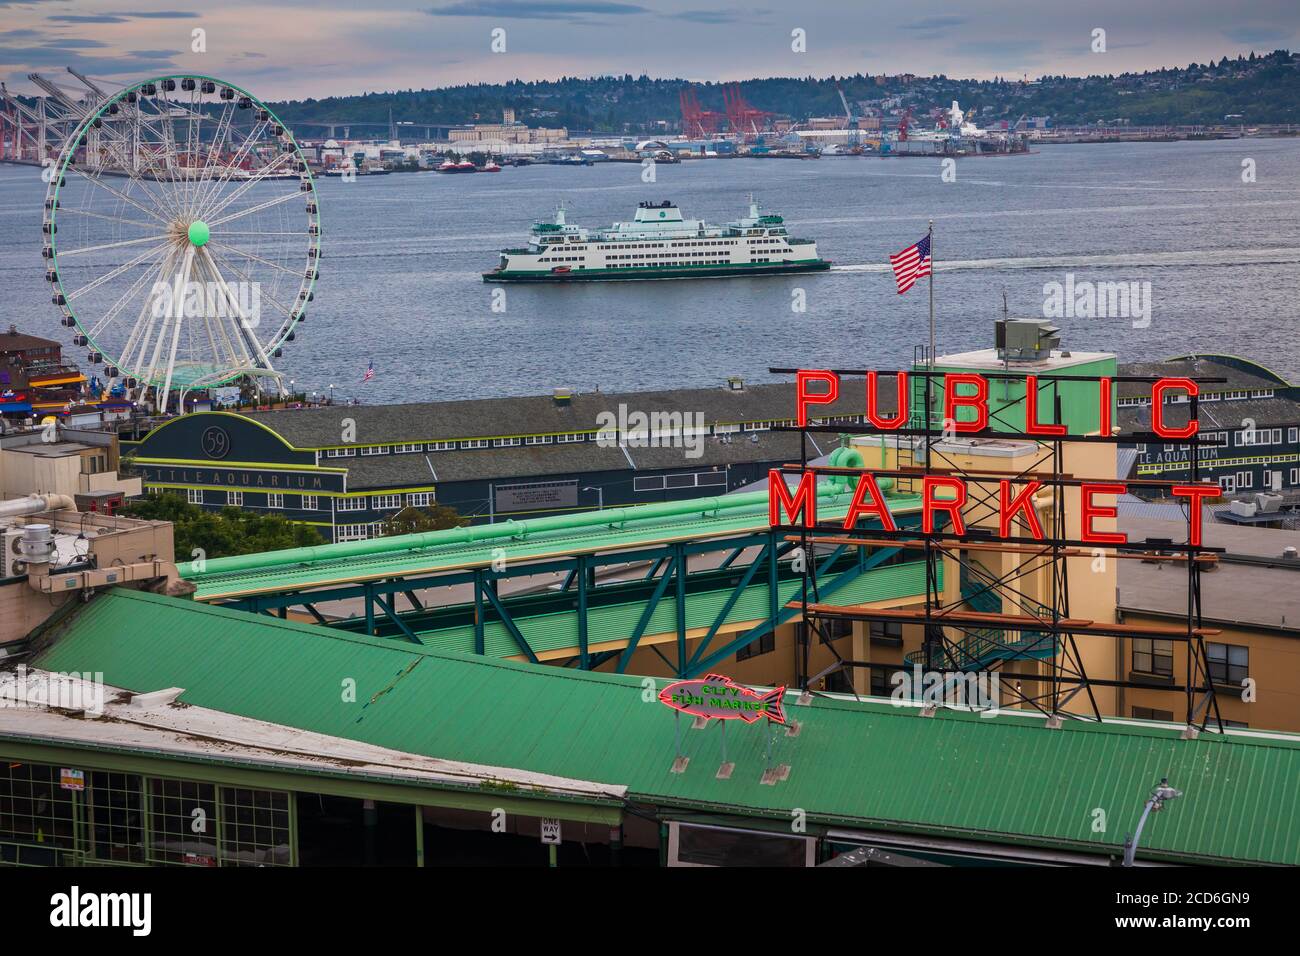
column 400, row 277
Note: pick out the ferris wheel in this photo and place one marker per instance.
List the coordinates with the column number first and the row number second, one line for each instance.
column 181, row 237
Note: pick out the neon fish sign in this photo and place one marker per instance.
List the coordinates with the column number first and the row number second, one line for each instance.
column 714, row 695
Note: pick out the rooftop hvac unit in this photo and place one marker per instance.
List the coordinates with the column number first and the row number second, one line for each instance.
column 1025, row 340
column 11, row 563
column 1268, row 502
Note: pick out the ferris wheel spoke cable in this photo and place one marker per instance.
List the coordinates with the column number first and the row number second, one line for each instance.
column 215, row 208
column 246, row 326
column 125, row 198
column 211, row 169
column 85, row 250
column 116, row 308
column 114, row 219
column 120, row 270
column 249, row 210
column 248, row 255
column 289, row 313
column 207, row 207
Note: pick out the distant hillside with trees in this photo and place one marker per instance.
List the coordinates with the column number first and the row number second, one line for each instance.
column 1258, row 89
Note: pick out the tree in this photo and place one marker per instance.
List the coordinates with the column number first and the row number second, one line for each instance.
column 226, row 532
column 413, row 520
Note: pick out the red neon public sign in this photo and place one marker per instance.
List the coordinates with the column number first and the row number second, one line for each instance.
column 948, row 494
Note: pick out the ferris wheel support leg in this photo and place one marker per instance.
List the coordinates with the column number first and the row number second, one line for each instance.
column 244, row 326
column 142, row 331
column 178, row 313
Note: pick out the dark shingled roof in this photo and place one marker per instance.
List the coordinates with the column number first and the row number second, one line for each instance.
column 1195, row 366
column 1217, row 415
column 15, row 341
column 542, row 415
column 530, row 462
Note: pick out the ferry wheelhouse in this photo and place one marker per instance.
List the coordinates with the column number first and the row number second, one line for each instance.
column 658, row 244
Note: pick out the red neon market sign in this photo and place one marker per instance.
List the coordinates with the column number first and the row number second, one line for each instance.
column 946, row 495
column 716, row 696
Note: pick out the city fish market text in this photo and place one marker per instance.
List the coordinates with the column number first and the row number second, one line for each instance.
column 717, row 696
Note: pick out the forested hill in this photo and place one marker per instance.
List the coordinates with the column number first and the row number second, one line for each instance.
column 1260, row 89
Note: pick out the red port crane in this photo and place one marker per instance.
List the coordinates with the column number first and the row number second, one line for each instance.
column 743, row 119
column 697, row 121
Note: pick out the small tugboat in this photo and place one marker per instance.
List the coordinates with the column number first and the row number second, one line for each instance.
column 658, row 244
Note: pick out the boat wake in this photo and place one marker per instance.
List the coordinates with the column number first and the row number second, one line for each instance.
column 1208, row 257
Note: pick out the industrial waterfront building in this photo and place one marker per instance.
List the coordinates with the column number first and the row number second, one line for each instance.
column 345, row 469
column 1253, row 415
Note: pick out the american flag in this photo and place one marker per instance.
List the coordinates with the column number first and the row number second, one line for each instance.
column 911, row 264
column 370, row 373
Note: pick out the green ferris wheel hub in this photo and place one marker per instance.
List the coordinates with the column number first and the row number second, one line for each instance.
column 199, row 232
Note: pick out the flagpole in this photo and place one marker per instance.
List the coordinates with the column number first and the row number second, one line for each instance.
column 930, row 234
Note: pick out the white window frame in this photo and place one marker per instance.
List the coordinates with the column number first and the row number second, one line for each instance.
column 274, row 499
column 307, row 502
column 419, row 499
column 340, row 452
column 475, row 443
column 350, row 504
column 538, row 440
column 374, row 450
column 384, row 502
column 194, row 496
column 440, row 446
column 235, row 498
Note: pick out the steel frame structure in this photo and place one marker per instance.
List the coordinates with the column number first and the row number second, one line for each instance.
column 951, row 631
column 750, row 559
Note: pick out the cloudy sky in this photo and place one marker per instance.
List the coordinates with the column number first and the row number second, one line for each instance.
column 297, row 48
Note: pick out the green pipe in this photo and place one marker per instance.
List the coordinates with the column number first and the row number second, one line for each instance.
column 475, row 534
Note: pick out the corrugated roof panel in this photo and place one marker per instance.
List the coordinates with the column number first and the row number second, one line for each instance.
column 860, row 764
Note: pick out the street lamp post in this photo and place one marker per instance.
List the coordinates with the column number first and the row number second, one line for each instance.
column 600, row 497
column 1159, row 796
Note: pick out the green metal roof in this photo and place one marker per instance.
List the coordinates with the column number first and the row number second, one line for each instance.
column 861, row 764
column 403, row 560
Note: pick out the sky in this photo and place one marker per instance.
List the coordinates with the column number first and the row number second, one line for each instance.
column 292, row 49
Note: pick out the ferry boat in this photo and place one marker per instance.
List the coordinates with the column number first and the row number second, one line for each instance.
column 658, row 244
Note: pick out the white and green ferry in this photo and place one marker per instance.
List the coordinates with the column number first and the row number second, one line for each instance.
column 658, row 244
